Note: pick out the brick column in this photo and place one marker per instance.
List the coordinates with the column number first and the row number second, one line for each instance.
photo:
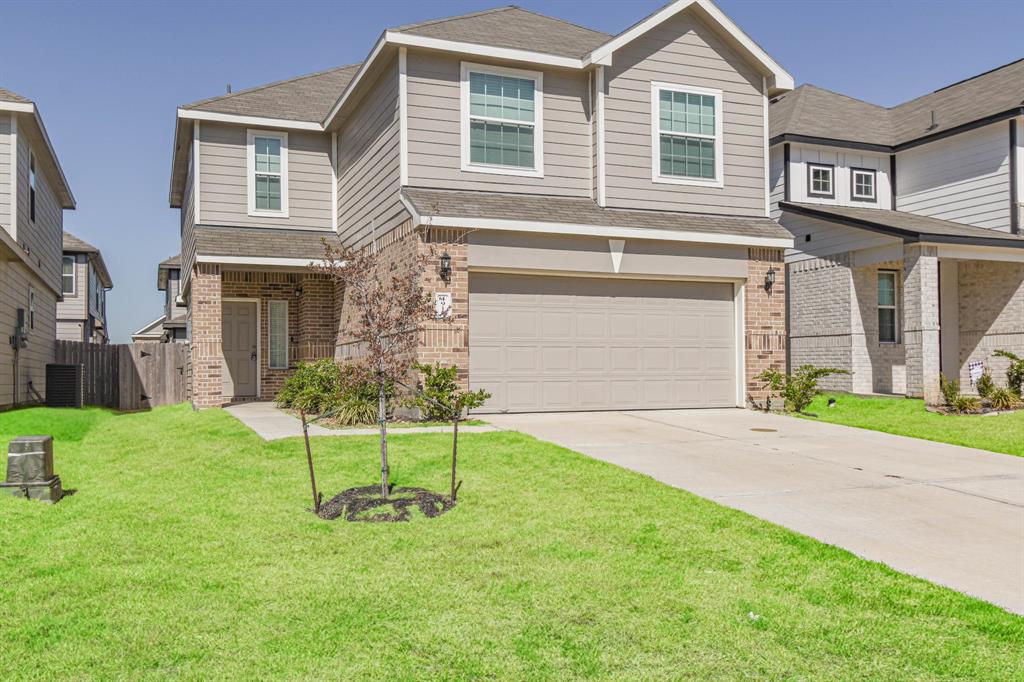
column 206, row 347
column 921, row 321
column 764, row 319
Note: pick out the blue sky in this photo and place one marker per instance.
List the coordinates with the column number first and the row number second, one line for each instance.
column 108, row 76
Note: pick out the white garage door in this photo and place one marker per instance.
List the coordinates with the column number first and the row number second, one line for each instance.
column 542, row 344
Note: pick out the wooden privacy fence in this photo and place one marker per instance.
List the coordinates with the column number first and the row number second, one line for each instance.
column 128, row 377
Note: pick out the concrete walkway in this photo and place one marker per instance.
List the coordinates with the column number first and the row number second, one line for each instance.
column 271, row 423
column 950, row 514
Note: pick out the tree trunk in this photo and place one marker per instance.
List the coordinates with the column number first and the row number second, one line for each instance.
column 455, row 451
column 382, row 418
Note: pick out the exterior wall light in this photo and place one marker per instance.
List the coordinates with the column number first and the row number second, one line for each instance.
column 446, row 267
column 769, row 280
column 298, row 292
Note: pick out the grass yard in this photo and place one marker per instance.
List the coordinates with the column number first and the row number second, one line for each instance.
column 907, row 417
column 186, row 553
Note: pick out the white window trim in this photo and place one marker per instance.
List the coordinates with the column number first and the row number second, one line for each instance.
column 719, row 180
column 895, row 307
column 251, row 135
column 831, row 194
column 33, row 192
column 538, row 124
column 31, row 312
column 74, row 276
column 854, row 172
column 270, row 337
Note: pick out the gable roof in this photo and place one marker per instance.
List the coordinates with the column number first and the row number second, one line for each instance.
column 8, row 96
column 816, row 112
column 73, row 244
column 27, row 114
column 164, row 268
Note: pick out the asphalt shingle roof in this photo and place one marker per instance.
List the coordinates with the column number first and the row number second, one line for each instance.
column 172, row 262
column 8, row 96
column 906, row 225
column 549, row 209
column 810, row 110
column 262, row 243
column 73, row 244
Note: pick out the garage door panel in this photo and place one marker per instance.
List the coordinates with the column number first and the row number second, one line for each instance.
column 564, row 343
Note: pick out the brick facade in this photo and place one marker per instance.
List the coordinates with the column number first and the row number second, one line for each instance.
column 991, row 305
column 764, row 313
column 921, row 321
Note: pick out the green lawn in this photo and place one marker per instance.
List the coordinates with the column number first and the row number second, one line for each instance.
column 186, row 553
column 907, row 417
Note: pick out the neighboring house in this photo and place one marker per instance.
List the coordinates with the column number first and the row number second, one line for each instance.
column 170, row 327
column 908, row 258
column 603, row 201
column 33, row 196
column 85, row 281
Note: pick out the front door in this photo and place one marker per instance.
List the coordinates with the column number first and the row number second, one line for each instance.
column 238, row 326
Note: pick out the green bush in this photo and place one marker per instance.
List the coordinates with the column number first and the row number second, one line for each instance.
column 1003, row 399
column 799, row 388
column 440, row 385
column 985, row 385
column 314, row 388
column 1015, row 372
column 358, row 403
column 965, row 404
column 950, row 390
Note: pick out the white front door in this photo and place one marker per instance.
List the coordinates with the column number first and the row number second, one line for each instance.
column 239, row 343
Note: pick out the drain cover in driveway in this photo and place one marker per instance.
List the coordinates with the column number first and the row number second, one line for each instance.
column 765, row 430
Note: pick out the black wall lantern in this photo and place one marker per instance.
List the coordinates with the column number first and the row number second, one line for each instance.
column 446, row 267
column 769, row 280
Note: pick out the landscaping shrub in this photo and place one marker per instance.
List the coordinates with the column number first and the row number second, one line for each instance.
column 440, row 385
column 358, row 398
column 1015, row 372
column 799, row 388
column 965, row 404
column 985, row 385
column 1003, row 399
column 950, row 389
column 315, row 387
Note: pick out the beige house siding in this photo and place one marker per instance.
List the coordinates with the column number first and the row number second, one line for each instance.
column 188, row 221
column 435, row 151
column 70, row 330
column 224, row 188
column 368, row 164
column 45, row 236
column 15, row 281
column 74, row 306
column 5, row 171
column 683, row 51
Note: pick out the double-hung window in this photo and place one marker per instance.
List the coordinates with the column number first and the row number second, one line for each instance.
column 32, row 186
column 277, row 327
column 686, row 126
column 862, row 184
column 502, row 120
column 268, row 173
column 821, row 180
column 68, row 275
column 888, row 316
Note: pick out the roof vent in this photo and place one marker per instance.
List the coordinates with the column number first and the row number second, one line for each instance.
column 229, row 90
column 935, row 123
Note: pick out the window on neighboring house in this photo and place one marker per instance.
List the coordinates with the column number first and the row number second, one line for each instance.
column 821, row 180
column 686, row 124
column 32, row 186
column 888, row 331
column 502, row 120
column 31, row 308
column 277, row 345
column 68, row 275
column 268, row 173
column 862, row 186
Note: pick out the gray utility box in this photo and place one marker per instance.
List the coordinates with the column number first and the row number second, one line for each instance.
column 30, row 469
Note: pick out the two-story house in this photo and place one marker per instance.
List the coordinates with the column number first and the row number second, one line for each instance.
column 598, row 208
column 85, row 281
column 171, row 326
column 908, row 259
column 33, row 196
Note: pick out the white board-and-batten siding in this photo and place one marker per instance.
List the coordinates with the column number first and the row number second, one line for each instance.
column 224, row 181
column 964, row 178
column 369, row 158
column 683, row 51
column 844, row 160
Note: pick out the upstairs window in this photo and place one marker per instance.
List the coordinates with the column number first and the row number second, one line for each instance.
column 31, row 186
column 68, row 275
column 686, row 125
column 887, row 309
column 862, row 184
column 268, row 173
column 502, row 120
column 821, row 180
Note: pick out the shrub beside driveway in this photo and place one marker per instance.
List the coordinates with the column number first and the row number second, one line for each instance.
column 187, row 552
column 908, row 417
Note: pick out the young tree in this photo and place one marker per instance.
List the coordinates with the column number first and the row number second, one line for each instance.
column 388, row 308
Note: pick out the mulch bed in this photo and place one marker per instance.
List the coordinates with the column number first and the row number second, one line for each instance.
column 366, row 504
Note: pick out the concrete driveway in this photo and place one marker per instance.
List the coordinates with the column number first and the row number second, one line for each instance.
column 949, row 514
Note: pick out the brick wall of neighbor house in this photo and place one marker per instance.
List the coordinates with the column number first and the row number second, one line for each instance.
column 446, row 342
column 205, row 314
column 991, row 314
column 765, row 319
column 877, row 367
column 820, row 319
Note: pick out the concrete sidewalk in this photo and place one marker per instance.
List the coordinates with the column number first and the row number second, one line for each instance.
column 271, row 423
column 950, row 514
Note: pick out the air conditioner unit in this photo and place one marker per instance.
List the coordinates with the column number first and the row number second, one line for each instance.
column 64, row 385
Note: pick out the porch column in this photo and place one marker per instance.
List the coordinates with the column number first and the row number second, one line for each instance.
column 921, row 321
column 207, row 350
